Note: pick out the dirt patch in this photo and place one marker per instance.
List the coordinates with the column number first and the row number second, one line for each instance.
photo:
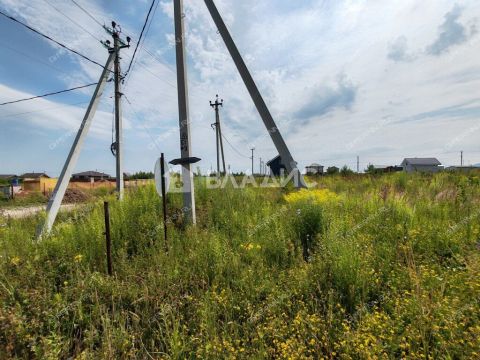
column 75, row 196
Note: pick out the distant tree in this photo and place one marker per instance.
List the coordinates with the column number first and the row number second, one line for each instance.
column 142, row 175
column 370, row 169
column 332, row 170
column 346, row 171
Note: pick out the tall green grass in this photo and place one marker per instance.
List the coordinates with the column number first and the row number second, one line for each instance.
column 392, row 272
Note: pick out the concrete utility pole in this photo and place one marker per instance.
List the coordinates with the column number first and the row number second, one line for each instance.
column 183, row 111
column 55, row 200
column 218, row 130
column 461, row 158
column 59, row 192
column 118, row 44
column 253, row 149
column 358, row 164
column 261, row 165
column 257, row 98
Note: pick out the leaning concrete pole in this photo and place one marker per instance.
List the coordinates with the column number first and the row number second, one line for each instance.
column 257, row 98
column 56, row 199
column 185, row 143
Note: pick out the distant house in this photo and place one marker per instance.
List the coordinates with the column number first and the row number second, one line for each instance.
column 421, row 165
column 276, row 166
column 7, row 177
column 393, row 168
column 333, row 170
column 34, row 176
column 381, row 169
column 90, row 176
column 10, row 179
column 314, row 169
column 38, row 182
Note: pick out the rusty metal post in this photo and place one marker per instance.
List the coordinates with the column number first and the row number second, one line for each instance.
column 108, row 238
column 164, row 199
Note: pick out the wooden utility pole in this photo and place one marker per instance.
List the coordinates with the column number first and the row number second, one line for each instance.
column 253, row 149
column 183, row 112
column 218, row 130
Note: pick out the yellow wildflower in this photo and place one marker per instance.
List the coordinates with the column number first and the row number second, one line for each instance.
column 78, row 258
column 317, row 196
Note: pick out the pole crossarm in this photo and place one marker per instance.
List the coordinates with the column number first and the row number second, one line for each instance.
column 257, row 98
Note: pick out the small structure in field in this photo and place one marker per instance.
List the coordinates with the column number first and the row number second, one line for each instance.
column 314, row 169
column 90, row 176
column 431, row 165
column 39, row 182
column 34, row 176
column 276, row 166
column 383, row 169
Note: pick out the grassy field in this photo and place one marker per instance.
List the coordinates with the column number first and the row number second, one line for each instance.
column 359, row 268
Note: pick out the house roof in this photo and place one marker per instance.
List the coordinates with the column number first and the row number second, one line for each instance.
column 7, row 176
column 91, row 174
column 421, row 161
column 33, row 175
column 315, row 165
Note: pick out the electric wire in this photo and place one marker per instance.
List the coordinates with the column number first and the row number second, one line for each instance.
column 73, row 21
column 141, row 122
column 140, row 37
column 43, row 110
column 88, row 13
column 140, row 45
column 234, row 149
column 48, row 94
column 34, row 59
column 51, row 39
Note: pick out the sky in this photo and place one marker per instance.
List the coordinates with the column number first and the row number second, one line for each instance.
column 382, row 80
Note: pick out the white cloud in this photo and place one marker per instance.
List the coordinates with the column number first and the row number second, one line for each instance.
column 293, row 53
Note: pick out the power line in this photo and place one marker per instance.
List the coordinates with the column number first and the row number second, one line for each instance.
column 140, row 37
column 34, row 58
column 49, row 38
column 42, row 110
column 88, row 14
column 234, row 149
column 157, row 76
column 142, row 123
column 73, row 21
column 49, row 94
